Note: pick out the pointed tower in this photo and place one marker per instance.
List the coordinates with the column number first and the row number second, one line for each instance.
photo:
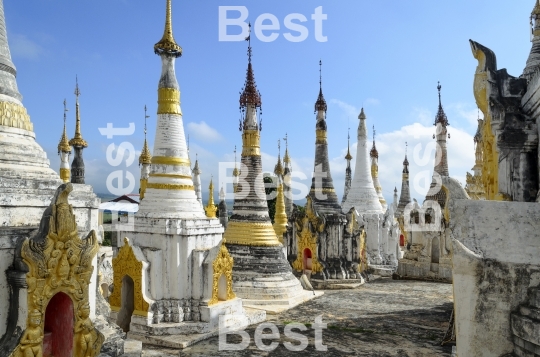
column 180, row 252
column 78, row 143
column 197, row 180
column 236, row 173
column 258, row 254
column 533, row 61
column 210, row 208
column 223, row 212
column 405, row 197
column 435, row 192
column 170, row 190
column 64, row 150
column 374, row 154
column 287, row 185
column 348, row 170
column 144, row 161
column 280, row 218
column 28, row 182
column 395, row 201
column 362, row 195
column 322, row 190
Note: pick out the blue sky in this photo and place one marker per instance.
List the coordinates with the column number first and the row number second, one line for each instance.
column 385, row 55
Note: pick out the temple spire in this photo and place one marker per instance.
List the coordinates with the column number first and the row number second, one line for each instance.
column 64, row 150
column 320, row 104
column 348, row 170
column 322, row 190
column 146, row 157
column 280, row 217
column 211, row 208
column 144, row 161
column 167, row 45
column 78, row 143
column 197, row 179
column 287, row 179
column 441, row 122
column 363, row 195
column 374, row 154
column 250, row 97
column 405, row 197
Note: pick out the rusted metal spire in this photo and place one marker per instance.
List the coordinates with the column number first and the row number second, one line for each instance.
column 320, row 104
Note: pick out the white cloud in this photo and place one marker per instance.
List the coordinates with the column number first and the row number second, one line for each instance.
column 204, row 132
column 423, row 116
column 468, row 112
column 21, row 46
column 348, row 109
column 372, row 101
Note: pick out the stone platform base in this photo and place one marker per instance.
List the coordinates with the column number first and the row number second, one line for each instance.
column 382, row 270
column 273, row 307
column 337, row 284
column 264, row 274
column 181, row 341
column 413, row 269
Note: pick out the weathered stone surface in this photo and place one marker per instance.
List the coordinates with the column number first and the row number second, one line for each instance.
column 495, row 263
column 381, row 318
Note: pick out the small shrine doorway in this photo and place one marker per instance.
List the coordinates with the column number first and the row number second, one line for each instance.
column 58, row 327
column 127, row 303
column 401, row 240
column 307, row 259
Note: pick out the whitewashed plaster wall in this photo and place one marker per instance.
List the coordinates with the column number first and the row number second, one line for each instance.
column 496, row 260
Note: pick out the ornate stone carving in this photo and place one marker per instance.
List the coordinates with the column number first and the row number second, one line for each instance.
column 222, row 265
column 61, row 262
column 15, row 116
column 306, row 239
column 126, row 263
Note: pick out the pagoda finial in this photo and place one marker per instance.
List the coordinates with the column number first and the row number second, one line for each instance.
column 536, row 9
column 320, row 104
column 374, row 153
column 236, row 172
column 63, row 146
column 167, row 45
column 146, row 157
column 77, row 139
column 286, row 158
column 250, row 95
column 278, row 169
column 211, row 208
column 441, row 115
column 406, row 162
column 348, row 157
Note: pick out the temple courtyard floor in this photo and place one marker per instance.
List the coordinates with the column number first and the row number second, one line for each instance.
column 381, row 318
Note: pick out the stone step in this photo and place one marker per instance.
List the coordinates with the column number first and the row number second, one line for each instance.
column 531, row 312
column 526, row 328
column 523, row 348
column 534, row 298
column 132, row 348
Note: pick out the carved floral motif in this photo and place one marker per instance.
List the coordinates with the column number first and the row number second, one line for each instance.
column 222, row 265
column 60, row 262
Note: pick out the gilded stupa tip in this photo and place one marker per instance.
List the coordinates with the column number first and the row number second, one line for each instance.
column 374, row 153
column 348, row 157
column 235, row 172
column 77, row 139
column 320, row 104
column 146, row 157
column 278, row 169
column 286, row 157
column 167, row 45
column 250, row 94
column 536, row 9
column 441, row 115
column 63, row 145
column 211, row 208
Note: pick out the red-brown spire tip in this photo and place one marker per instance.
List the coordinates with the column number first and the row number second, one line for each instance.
column 441, row 115
column 320, row 104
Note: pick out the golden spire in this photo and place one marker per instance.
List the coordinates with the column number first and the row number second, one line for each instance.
column 146, row 157
column 278, row 169
column 63, row 146
column 348, row 156
column 211, row 208
column 77, row 139
column 286, row 158
column 167, row 45
column 374, row 153
column 235, row 172
column 280, row 217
